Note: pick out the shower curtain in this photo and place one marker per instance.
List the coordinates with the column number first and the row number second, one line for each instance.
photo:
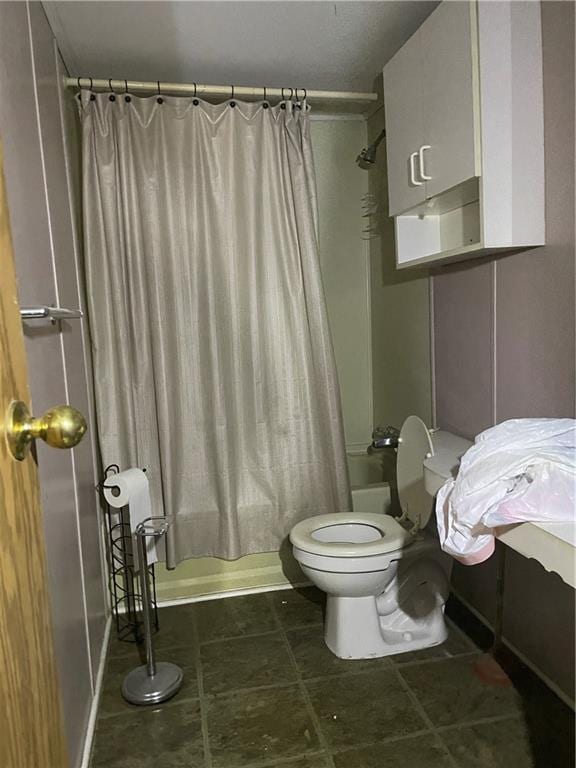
column 213, row 362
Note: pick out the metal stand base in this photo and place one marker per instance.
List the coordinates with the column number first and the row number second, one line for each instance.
column 140, row 688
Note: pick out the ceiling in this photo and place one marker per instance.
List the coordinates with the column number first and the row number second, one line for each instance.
column 313, row 45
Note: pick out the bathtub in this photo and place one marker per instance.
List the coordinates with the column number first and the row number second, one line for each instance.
column 369, row 478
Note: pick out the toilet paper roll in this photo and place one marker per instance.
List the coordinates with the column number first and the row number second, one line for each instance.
column 131, row 488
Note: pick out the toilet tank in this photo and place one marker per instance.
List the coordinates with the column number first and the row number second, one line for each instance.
column 445, row 461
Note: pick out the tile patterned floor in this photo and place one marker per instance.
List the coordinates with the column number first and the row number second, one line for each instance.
column 262, row 691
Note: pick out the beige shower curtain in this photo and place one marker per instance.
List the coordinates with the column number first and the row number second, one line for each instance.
column 213, row 362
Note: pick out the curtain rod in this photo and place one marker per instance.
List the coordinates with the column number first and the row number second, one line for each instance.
column 226, row 91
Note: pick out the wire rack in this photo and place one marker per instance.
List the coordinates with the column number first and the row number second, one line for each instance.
column 123, row 583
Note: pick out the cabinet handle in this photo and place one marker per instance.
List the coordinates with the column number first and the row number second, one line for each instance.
column 413, row 171
column 421, row 159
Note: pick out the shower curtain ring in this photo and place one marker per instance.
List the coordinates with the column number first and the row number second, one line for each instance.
column 78, row 82
column 112, row 96
column 125, row 86
column 159, row 100
column 194, row 90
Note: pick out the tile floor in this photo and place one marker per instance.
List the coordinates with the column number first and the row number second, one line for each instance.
column 262, row 691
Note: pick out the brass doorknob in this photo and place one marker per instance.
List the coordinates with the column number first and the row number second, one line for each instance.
column 60, row 427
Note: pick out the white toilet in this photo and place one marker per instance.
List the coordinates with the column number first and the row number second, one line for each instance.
column 386, row 578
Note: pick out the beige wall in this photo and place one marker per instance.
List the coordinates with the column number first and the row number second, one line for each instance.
column 44, row 244
column 345, row 266
column 504, row 348
column 400, row 315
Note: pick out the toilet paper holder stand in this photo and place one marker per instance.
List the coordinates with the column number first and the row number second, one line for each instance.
column 152, row 682
column 123, row 584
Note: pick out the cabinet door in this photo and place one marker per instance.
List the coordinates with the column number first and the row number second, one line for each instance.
column 450, row 96
column 402, row 101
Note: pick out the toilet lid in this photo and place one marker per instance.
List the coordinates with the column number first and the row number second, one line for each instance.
column 414, row 446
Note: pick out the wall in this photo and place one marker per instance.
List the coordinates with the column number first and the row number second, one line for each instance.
column 504, row 348
column 345, row 266
column 44, row 244
column 401, row 379
column 344, row 261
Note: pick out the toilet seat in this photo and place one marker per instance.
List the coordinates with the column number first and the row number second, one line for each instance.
column 392, row 536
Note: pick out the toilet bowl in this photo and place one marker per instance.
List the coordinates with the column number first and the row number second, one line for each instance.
column 386, row 579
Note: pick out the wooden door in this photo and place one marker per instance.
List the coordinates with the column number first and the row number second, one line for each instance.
column 450, row 96
column 31, row 728
column 404, row 133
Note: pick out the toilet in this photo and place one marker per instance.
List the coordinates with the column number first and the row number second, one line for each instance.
column 386, row 578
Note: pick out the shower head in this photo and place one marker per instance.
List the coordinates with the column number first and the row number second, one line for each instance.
column 367, row 157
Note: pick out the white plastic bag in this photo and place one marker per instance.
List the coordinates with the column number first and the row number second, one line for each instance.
column 523, row 470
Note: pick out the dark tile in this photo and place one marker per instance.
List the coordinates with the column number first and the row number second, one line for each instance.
column 502, row 744
column 362, row 709
column 315, row 659
column 260, row 725
column 112, row 702
column 299, row 607
column 315, row 761
column 117, row 648
column 170, row 737
column 184, row 656
column 176, row 626
column 415, row 752
column 235, row 616
column 246, row 662
column 451, row 692
column 455, row 644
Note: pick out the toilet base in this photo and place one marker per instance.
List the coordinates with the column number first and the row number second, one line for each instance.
column 355, row 630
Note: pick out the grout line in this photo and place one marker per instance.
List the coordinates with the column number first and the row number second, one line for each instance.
column 201, row 698
column 482, row 721
column 303, row 690
column 424, row 715
column 323, row 678
column 382, row 742
column 287, row 761
column 257, row 634
column 247, row 636
column 255, row 689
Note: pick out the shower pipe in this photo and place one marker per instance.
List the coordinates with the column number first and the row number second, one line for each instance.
column 221, row 91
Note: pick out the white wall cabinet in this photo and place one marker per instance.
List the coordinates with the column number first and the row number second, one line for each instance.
column 404, row 129
column 464, row 133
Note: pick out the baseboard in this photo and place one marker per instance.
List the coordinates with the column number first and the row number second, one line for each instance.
column 90, row 730
column 523, row 658
column 230, row 593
